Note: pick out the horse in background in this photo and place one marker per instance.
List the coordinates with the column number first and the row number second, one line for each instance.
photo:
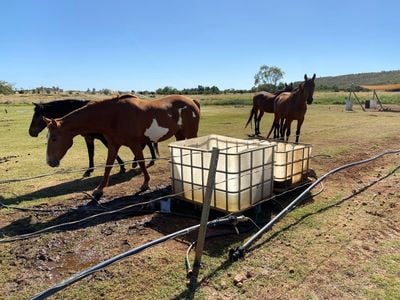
column 124, row 120
column 293, row 106
column 264, row 102
column 60, row 108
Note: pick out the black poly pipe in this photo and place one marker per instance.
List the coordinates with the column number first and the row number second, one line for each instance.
column 58, row 287
column 235, row 254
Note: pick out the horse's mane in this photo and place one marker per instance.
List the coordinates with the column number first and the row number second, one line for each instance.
column 59, row 103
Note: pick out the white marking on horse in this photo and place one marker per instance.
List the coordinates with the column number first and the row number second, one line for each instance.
column 193, row 114
column 180, row 116
column 155, row 131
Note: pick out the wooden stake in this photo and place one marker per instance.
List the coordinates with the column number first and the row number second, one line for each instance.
column 205, row 212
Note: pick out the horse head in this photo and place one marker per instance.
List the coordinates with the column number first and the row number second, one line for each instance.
column 288, row 87
column 37, row 123
column 308, row 87
column 58, row 142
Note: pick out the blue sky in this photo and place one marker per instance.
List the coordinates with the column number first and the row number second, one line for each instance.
column 144, row 45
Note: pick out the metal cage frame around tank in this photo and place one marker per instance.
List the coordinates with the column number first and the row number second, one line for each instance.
column 191, row 187
column 284, row 182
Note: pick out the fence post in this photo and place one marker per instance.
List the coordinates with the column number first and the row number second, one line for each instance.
column 205, row 212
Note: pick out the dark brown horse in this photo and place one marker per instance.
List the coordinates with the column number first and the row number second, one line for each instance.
column 264, row 102
column 293, row 106
column 60, row 108
column 127, row 121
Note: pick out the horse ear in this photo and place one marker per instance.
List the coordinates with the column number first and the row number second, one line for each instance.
column 37, row 105
column 305, row 77
column 51, row 122
column 313, row 78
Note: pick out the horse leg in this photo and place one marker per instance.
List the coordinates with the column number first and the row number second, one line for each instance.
column 260, row 115
column 135, row 163
column 137, row 149
column 112, row 153
column 255, row 114
column 299, row 123
column 287, row 125
column 152, row 151
column 90, row 148
column 280, row 129
column 119, row 160
column 179, row 136
column 276, row 131
column 272, row 128
column 153, row 154
column 155, row 146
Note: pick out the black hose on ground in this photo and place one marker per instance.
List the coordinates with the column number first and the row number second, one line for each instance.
column 60, row 286
column 235, row 254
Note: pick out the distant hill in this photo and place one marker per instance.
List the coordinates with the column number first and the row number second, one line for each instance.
column 343, row 82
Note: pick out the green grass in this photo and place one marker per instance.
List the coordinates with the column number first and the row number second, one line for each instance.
column 159, row 273
column 326, row 98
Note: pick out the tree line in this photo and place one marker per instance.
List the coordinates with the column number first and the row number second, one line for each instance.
column 268, row 78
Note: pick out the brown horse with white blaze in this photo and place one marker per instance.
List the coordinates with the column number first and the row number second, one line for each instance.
column 124, row 121
column 293, row 106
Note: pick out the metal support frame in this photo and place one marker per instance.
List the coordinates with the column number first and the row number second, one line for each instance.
column 355, row 96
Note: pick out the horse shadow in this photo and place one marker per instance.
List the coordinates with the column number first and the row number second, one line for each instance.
column 24, row 225
column 73, row 186
column 217, row 244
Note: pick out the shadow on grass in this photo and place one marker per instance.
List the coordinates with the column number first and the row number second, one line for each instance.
column 24, row 225
column 165, row 224
column 74, row 186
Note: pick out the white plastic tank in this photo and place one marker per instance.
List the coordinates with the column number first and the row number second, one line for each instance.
column 291, row 164
column 244, row 172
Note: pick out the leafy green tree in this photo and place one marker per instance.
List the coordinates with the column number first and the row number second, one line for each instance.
column 268, row 75
column 168, row 90
column 6, row 88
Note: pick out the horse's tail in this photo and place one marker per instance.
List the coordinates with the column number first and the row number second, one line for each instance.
column 251, row 116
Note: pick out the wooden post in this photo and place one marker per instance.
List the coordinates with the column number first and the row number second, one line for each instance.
column 355, row 96
column 205, row 212
column 379, row 100
column 358, row 100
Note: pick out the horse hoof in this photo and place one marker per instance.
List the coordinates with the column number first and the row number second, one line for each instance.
column 144, row 187
column 122, row 170
column 87, row 173
column 134, row 165
column 151, row 163
column 97, row 194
